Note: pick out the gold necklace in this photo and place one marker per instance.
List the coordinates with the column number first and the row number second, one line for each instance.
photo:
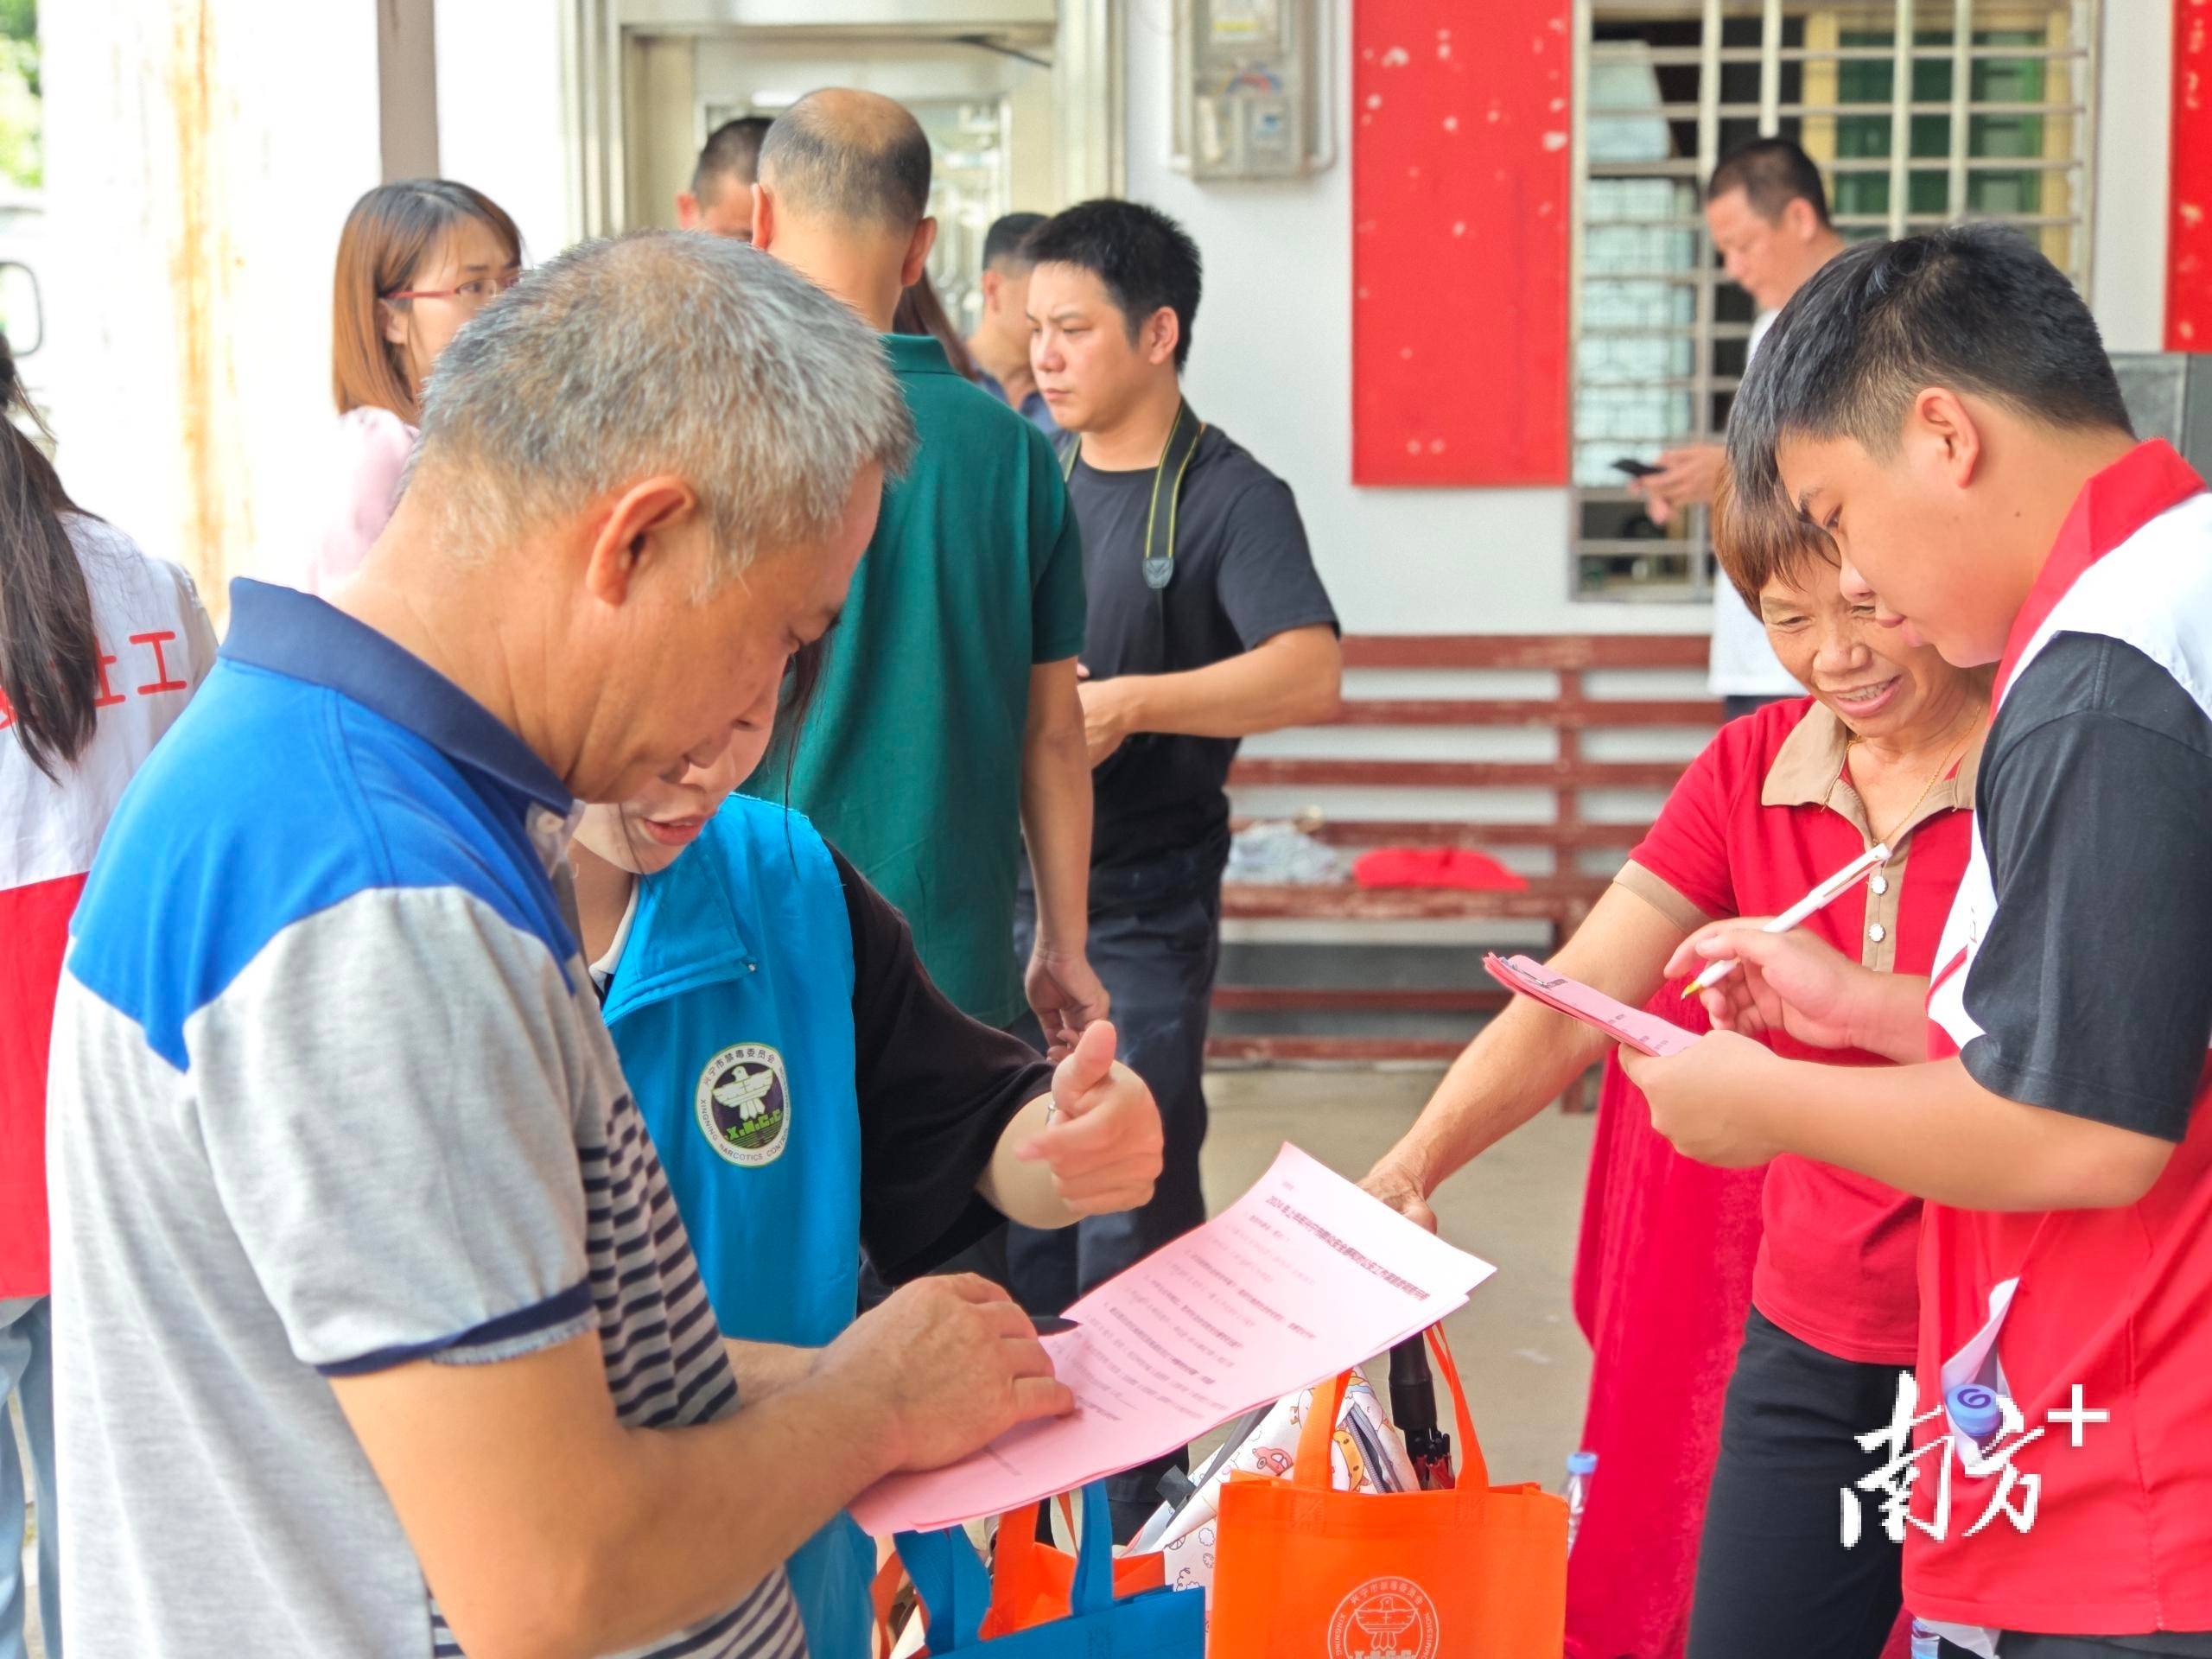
column 1942, row 766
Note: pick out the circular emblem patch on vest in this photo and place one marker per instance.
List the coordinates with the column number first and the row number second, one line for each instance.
column 1385, row 1619
column 744, row 1104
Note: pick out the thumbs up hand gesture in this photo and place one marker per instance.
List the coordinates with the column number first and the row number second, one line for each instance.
column 1102, row 1137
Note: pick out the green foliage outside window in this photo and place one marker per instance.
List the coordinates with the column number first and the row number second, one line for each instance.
column 22, row 156
column 1995, row 80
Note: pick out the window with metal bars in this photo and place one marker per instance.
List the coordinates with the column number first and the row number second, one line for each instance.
column 1919, row 112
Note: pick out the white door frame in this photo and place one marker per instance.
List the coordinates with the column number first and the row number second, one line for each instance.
column 1087, row 59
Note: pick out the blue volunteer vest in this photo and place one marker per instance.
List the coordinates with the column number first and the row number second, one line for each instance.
column 732, row 1007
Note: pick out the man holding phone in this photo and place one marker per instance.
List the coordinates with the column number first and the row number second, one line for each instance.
column 1767, row 214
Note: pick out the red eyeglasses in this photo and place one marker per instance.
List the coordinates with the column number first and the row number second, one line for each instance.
column 478, row 290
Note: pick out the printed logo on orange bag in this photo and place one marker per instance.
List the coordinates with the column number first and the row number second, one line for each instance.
column 1385, row 1619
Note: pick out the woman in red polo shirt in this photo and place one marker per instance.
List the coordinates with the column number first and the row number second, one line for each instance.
column 100, row 647
column 1882, row 752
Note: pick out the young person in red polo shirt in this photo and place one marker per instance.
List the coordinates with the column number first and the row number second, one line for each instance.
column 1942, row 408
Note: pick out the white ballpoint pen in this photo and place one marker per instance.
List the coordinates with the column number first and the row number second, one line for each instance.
column 1825, row 894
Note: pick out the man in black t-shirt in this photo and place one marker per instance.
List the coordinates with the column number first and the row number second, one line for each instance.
column 1207, row 623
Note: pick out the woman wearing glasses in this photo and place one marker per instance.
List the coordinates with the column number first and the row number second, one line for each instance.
column 416, row 261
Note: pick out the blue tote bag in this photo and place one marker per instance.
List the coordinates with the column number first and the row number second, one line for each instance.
column 956, row 1592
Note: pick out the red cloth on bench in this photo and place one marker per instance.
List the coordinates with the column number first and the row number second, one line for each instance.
column 1434, row 867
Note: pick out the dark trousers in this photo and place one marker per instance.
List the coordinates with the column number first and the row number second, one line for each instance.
column 1773, row 1576
column 1155, row 941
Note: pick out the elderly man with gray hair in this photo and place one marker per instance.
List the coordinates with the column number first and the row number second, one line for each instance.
column 378, row 1331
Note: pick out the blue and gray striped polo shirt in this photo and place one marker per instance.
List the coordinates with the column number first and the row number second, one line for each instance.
column 330, row 1094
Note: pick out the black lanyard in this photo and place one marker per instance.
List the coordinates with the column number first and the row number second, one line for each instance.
column 1159, row 528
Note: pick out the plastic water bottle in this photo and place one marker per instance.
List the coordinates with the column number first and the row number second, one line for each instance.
column 1926, row 1645
column 1580, row 1466
column 1976, row 1411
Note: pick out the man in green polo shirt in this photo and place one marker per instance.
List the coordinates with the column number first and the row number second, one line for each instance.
column 947, row 726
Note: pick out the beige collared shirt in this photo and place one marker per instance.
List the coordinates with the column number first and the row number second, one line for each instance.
column 1809, row 771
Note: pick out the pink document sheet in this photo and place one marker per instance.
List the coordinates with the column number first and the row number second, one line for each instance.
column 1647, row 1033
column 1301, row 1278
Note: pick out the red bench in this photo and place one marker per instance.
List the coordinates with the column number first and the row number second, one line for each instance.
column 1558, row 901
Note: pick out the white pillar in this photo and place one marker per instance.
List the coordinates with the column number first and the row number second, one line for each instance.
column 2128, row 286
column 200, row 158
column 502, row 112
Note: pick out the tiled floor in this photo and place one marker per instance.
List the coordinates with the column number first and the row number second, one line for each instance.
column 1525, row 1364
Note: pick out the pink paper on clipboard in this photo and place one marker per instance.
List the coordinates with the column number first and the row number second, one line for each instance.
column 1647, row 1033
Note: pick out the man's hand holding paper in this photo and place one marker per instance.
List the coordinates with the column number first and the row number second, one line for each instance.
column 956, row 1360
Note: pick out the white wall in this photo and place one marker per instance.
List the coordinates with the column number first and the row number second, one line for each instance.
column 1271, row 365
column 2127, row 279
column 501, row 121
column 201, row 161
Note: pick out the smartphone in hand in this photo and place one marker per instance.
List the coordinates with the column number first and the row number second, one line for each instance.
column 1636, row 468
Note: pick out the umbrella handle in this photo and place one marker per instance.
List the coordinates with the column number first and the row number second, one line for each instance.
column 1413, row 1408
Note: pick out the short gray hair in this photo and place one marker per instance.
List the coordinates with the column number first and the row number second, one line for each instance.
column 666, row 351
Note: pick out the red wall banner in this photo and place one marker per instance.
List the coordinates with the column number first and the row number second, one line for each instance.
column 2189, row 229
column 1459, row 187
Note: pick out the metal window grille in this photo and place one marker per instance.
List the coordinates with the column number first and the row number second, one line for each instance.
column 1919, row 112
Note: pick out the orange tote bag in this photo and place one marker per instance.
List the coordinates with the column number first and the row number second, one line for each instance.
column 1033, row 1583
column 1475, row 1572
